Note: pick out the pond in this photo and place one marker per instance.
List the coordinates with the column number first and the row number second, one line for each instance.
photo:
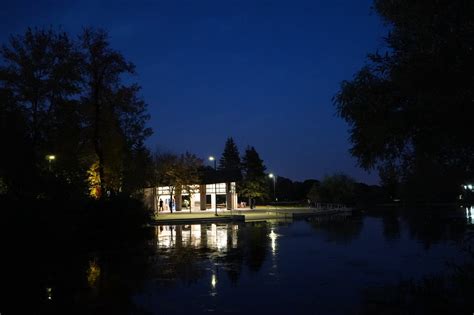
column 324, row 266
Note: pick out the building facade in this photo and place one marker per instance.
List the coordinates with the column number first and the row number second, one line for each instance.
column 197, row 197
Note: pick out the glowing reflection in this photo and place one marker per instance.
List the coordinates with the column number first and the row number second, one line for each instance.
column 213, row 281
column 273, row 237
column 93, row 273
column 469, row 213
column 165, row 236
column 235, row 229
column 219, row 237
column 191, row 235
column 49, row 293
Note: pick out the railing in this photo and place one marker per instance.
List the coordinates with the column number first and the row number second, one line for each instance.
column 304, row 204
column 329, row 206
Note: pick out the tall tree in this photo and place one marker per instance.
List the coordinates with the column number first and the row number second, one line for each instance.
column 255, row 183
column 230, row 159
column 115, row 115
column 410, row 107
column 67, row 98
column 40, row 69
column 40, row 80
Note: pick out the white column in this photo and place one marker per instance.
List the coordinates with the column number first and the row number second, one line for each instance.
column 213, row 201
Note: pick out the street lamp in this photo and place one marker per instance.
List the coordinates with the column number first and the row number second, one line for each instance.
column 50, row 159
column 274, row 181
column 211, row 158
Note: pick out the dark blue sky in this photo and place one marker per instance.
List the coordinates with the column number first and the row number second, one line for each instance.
column 263, row 72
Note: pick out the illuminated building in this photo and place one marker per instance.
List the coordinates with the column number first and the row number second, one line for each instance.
column 217, row 189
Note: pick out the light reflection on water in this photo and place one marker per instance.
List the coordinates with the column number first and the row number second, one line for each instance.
column 212, row 236
column 277, row 267
column 307, row 262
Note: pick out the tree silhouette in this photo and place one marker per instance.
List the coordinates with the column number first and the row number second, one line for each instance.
column 410, row 107
column 255, row 181
column 67, row 98
column 230, row 159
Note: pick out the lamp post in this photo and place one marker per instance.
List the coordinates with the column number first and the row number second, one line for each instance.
column 271, row 175
column 50, row 159
column 211, row 158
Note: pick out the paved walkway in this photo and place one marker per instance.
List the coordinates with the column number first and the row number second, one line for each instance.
column 260, row 213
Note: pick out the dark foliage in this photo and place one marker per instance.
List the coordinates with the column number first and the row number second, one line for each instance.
column 230, row 159
column 410, row 107
column 255, row 182
column 67, row 98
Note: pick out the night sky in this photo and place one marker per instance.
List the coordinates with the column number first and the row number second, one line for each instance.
column 263, row 72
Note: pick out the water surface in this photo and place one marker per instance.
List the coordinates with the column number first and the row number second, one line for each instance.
column 323, row 266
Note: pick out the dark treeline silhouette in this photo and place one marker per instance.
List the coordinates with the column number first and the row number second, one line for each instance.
column 343, row 189
column 253, row 185
column 449, row 291
column 72, row 138
column 257, row 185
column 410, row 108
column 67, row 117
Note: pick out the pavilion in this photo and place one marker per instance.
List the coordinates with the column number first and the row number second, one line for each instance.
column 215, row 189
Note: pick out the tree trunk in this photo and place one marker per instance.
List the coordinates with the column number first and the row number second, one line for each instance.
column 178, row 197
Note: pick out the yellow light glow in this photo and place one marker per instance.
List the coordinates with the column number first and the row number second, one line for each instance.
column 94, row 181
column 93, row 273
column 51, row 157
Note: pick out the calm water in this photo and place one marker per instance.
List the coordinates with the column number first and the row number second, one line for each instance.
column 320, row 266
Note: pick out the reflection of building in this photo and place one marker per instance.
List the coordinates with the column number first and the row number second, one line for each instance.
column 214, row 236
column 467, row 194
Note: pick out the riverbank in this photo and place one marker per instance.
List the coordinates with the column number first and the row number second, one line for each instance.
column 247, row 215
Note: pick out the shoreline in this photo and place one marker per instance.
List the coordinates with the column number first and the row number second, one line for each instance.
column 245, row 215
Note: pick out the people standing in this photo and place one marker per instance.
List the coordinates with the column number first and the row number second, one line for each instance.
column 160, row 208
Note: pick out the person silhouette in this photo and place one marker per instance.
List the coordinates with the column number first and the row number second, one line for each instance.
column 161, row 205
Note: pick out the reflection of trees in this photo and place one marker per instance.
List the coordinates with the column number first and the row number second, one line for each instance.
column 62, row 276
column 447, row 293
column 77, row 276
column 434, row 225
column 391, row 226
column 428, row 225
column 339, row 228
column 255, row 244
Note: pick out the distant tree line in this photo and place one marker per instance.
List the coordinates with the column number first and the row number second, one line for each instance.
column 70, row 123
column 410, row 108
column 340, row 188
